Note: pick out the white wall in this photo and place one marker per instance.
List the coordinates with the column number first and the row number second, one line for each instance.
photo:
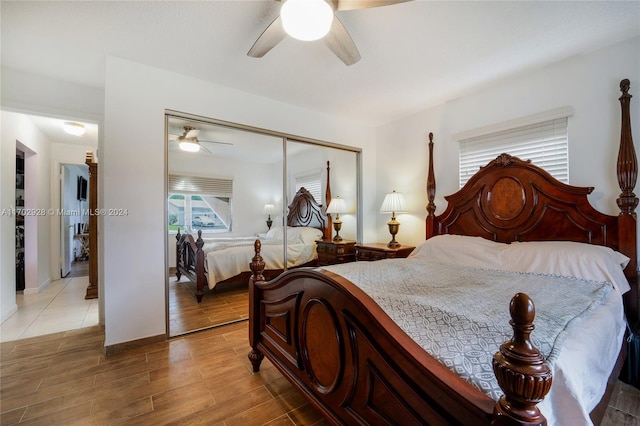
column 589, row 83
column 17, row 130
column 30, row 93
column 133, row 167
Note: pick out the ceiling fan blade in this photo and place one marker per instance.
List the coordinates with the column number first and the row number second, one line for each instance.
column 268, row 39
column 365, row 4
column 193, row 133
column 341, row 43
column 173, row 137
column 204, row 148
column 216, row 142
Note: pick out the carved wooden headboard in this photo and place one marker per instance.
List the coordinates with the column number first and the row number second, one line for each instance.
column 513, row 200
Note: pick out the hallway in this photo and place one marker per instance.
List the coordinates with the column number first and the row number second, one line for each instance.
column 59, row 307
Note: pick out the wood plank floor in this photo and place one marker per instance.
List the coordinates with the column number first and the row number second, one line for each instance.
column 225, row 304
column 198, row 379
column 201, row 378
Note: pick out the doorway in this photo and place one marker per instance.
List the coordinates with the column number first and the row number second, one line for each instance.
column 48, row 304
column 74, row 253
column 20, row 196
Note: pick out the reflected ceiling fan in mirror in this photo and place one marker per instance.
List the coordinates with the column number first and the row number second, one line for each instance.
column 188, row 141
column 312, row 20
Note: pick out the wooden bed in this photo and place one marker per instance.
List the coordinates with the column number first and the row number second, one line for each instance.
column 304, row 211
column 357, row 366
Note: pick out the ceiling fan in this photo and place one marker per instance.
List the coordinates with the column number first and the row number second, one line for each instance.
column 188, row 141
column 337, row 38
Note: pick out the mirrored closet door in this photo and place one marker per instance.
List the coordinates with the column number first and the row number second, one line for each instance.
column 228, row 185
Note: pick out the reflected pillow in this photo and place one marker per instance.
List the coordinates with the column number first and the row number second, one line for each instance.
column 275, row 233
column 303, row 235
column 295, row 235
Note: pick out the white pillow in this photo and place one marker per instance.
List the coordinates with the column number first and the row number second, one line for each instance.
column 580, row 260
column 275, row 233
column 461, row 250
column 295, row 235
column 303, row 234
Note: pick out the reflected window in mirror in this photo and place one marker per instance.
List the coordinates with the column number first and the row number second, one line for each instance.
column 197, row 203
column 312, row 182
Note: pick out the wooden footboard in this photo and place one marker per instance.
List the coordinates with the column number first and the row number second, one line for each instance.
column 336, row 345
column 190, row 261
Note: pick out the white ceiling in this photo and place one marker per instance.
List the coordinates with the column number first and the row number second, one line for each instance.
column 52, row 128
column 414, row 55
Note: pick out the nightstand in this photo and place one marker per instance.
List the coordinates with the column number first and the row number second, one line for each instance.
column 377, row 251
column 332, row 252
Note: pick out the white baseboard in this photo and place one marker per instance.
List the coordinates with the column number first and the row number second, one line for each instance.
column 41, row 287
column 7, row 315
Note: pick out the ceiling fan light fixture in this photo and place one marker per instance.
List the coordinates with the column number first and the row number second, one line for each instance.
column 306, row 20
column 189, row 146
column 75, row 129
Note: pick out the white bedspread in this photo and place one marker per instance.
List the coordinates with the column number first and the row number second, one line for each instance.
column 573, row 394
column 230, row 257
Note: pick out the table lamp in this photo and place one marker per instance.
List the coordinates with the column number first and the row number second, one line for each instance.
column 337, row 206
column 393, row 202
column 269, row 209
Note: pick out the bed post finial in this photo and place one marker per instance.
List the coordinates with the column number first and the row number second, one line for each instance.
column 520, row 369
column 431, row 192
column 257, row 263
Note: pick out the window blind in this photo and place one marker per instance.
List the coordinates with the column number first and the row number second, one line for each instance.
column 313, row 184
column 544, row 143
column 201, row 185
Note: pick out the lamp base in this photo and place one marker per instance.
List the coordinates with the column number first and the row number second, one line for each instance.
column 337, row 225
column 394, row 227
column 393, row 244
column 269, row 222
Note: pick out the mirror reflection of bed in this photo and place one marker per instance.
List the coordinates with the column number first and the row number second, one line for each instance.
column 221, row 192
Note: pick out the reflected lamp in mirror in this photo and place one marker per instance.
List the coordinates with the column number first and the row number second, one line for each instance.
column 393, row 203
column 269, row 209
column 337, row 206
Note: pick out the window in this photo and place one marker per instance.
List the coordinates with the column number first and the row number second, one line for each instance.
column 312, row 183
column 197, row 203
column 545, row 143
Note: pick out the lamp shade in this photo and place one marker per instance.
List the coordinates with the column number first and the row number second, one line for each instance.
column 306, row 20
column 393, row 202
column 269, row 209
column 337, row 205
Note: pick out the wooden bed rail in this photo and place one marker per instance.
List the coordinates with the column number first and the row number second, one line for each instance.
column 519, row 366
